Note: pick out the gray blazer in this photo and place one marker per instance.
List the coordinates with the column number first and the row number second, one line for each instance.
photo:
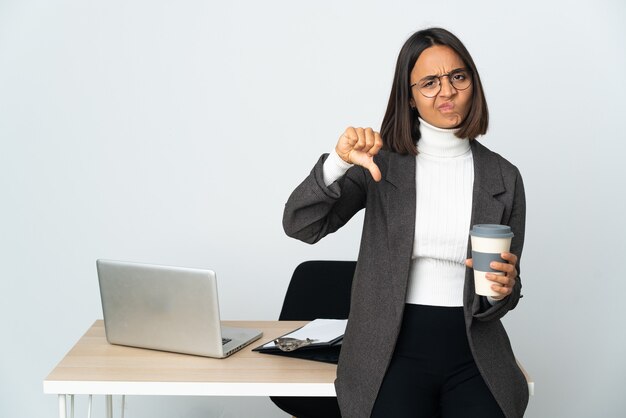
column 380, row 282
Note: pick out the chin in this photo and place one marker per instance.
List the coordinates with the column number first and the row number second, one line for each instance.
column 447, row 124
column 452, row 122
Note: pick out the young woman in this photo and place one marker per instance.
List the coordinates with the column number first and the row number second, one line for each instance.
column 419, row 341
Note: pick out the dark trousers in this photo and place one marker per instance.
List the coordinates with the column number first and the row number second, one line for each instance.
column 432, row 372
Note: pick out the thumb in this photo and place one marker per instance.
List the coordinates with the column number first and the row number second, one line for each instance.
column 374, row 171
column 469, row 263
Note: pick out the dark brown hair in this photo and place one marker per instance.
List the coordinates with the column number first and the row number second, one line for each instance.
column 400, row 128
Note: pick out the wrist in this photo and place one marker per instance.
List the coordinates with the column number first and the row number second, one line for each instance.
column 334, row 168
column 338, row 161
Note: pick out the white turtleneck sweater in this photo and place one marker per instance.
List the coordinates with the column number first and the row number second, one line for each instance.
column 444, row 183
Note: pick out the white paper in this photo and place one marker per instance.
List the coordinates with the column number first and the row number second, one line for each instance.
column 320, row 330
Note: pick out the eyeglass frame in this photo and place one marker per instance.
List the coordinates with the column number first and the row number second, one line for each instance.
column 469, row 73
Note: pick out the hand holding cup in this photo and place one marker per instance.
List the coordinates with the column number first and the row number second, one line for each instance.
column 503, row 284
column 493, row 264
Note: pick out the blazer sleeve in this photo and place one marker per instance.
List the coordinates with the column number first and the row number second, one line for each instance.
column 517, row 222
column 314, row 210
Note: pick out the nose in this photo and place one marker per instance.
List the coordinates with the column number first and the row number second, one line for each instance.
column 447, row 89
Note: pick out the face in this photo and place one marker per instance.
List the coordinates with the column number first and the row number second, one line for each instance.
column 450, row 107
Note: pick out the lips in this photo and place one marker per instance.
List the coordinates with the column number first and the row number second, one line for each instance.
column 446, row 106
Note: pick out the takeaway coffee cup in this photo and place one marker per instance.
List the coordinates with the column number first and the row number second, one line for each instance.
column 488, row 241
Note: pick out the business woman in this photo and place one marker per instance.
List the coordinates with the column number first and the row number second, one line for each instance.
column 419, row 341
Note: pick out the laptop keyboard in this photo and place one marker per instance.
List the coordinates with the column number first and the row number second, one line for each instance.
column 226, row 340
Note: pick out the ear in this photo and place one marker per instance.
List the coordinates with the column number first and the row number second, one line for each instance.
column 412, row 103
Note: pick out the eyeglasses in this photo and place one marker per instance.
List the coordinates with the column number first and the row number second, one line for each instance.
column 431, row 86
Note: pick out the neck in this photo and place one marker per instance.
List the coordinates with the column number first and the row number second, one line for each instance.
column 440, row 142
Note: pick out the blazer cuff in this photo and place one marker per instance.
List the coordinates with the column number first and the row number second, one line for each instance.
column 483, row 310
column 493, row 301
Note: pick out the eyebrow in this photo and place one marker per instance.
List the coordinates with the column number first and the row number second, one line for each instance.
column 434, row 75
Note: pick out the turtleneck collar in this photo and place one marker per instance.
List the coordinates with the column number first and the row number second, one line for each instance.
column 440, row 142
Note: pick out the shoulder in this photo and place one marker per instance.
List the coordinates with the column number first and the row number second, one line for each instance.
column 489, row 157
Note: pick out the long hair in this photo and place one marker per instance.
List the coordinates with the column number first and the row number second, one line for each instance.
column 400, row 127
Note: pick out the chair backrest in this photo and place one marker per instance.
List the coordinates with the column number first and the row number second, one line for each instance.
column 319, row 289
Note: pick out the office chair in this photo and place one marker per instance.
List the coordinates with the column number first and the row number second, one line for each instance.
column 318, row 289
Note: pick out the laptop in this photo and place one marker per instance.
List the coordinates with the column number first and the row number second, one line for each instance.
column 166, row 308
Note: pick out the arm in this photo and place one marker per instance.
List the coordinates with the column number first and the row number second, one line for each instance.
column 327, row 198
column 315, row 210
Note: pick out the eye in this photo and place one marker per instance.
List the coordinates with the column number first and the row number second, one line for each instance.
column 428, row 84
column 459, row 76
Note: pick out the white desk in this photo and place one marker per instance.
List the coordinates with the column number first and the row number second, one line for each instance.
column 95, row 367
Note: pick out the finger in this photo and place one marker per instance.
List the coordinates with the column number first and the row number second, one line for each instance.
column 346, row 143
column 469, row 263
column 350, row 134
column 504, row 291
column 360, row 143
column 369, row 139
column 505, row 267
column 374, row 171
column 378, row 144
column 498, row 278
column 501, row 295
column 510, row 257
column 348, row 138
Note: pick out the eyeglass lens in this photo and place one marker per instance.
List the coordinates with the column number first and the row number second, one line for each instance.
column 431, row 86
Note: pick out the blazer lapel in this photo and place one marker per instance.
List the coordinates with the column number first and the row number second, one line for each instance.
column 488, row 183
column 486, row 209
column 400, row 203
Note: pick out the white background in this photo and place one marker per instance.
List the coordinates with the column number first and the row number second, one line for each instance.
column 173, row 132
